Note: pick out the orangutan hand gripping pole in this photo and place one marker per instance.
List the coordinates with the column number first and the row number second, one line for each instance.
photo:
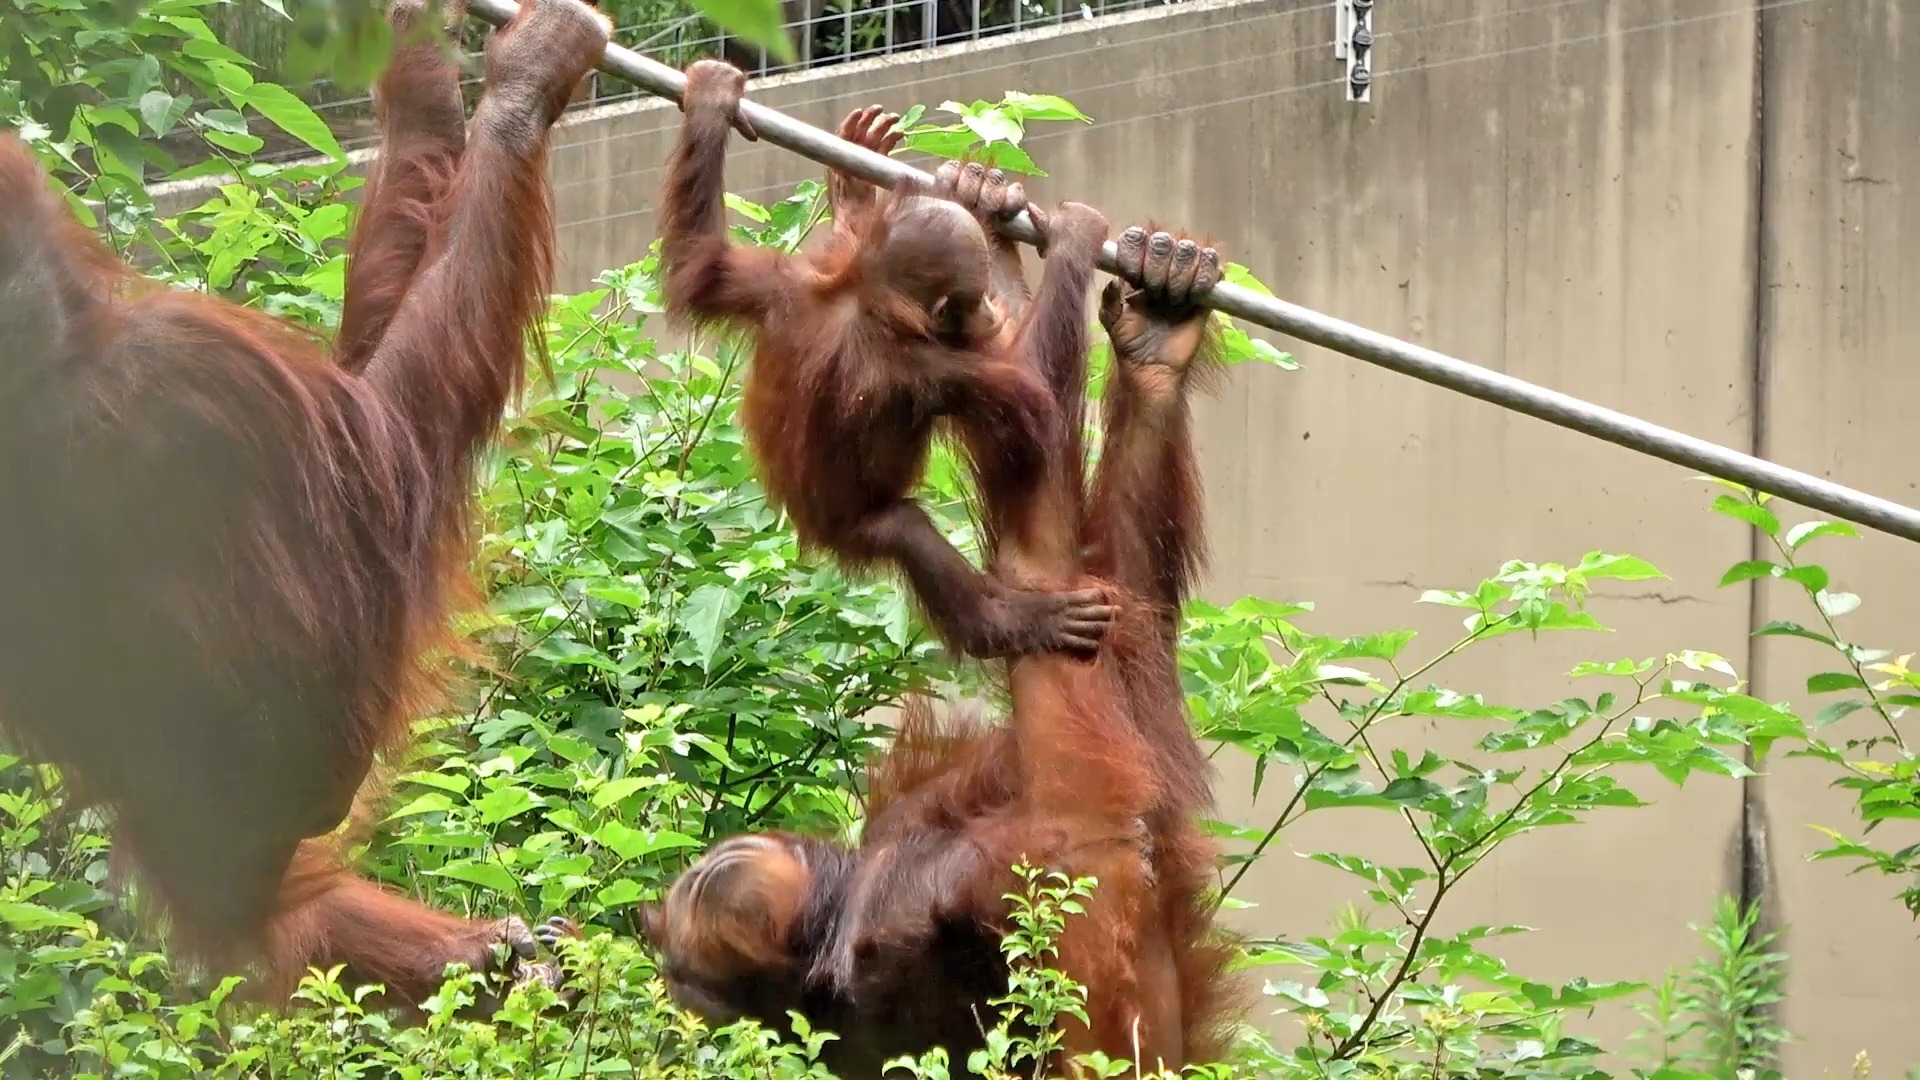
column 863, row 347
column 236, row 554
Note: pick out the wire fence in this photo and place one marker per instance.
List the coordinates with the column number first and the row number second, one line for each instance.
column 823, row 33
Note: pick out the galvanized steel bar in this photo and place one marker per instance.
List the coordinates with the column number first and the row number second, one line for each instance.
column 1326, row 331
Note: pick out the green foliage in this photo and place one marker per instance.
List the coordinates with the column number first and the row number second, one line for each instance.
column 1326, row 708
column 1713, row 1021
column 1872, row 759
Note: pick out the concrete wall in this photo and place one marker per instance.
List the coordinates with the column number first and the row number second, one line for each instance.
column 1691, row 210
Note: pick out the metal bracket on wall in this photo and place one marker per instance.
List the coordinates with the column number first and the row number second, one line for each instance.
column 1353, row 43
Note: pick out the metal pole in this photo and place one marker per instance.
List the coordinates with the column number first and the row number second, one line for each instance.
column 1325, row 330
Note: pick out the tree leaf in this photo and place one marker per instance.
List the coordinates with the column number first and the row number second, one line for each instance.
column 706, row 615
column 630, row 843
column 487, row 875
column 1783, row 628
column 1618, row 567
column 292, row 116
column 1044, row 107
column 503, row 803
column 622, row 893
column 1829, row 681
column 1747, row 571
column 756, row 21
column 615, row 790
column 1812, row 530
column 1740, row 509
column 160, row 111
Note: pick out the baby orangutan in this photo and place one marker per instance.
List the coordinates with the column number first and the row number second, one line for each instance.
column 865, row 347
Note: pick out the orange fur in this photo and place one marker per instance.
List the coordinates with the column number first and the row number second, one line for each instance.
column 256, row 545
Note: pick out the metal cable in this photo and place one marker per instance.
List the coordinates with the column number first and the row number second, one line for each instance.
column 1324, row 330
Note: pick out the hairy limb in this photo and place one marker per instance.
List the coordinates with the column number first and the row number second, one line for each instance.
column 709, row 277
column 993, row 198
column 1145, row 526
column 978, row 614
column 1042, row 530
column 1145, row 529
column 383, row 938
column 849, row 196
column 423, row 130
column 456, row 349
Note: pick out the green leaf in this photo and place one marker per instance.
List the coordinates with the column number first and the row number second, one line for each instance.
column 292, row 116
column 994, row 126
column 1783, row 628
column 1837, row 711
column 26, row 918
column 752, row 211
column 1747, row 571
column 1811, row 530
column 622, row 893
column 161, row 111
column 503, row 803
column 705, row 617
column 1830, row 681
column 433, row 802
column 1740, row 509
column 1008, row 157
column 615, row 790
column 756, row 21
column 1240, row 276
column 1411, row 791
column 630, row 843
column 487, row 875
column 1044, row 107
column 1810, row 577
column 1618, row 567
